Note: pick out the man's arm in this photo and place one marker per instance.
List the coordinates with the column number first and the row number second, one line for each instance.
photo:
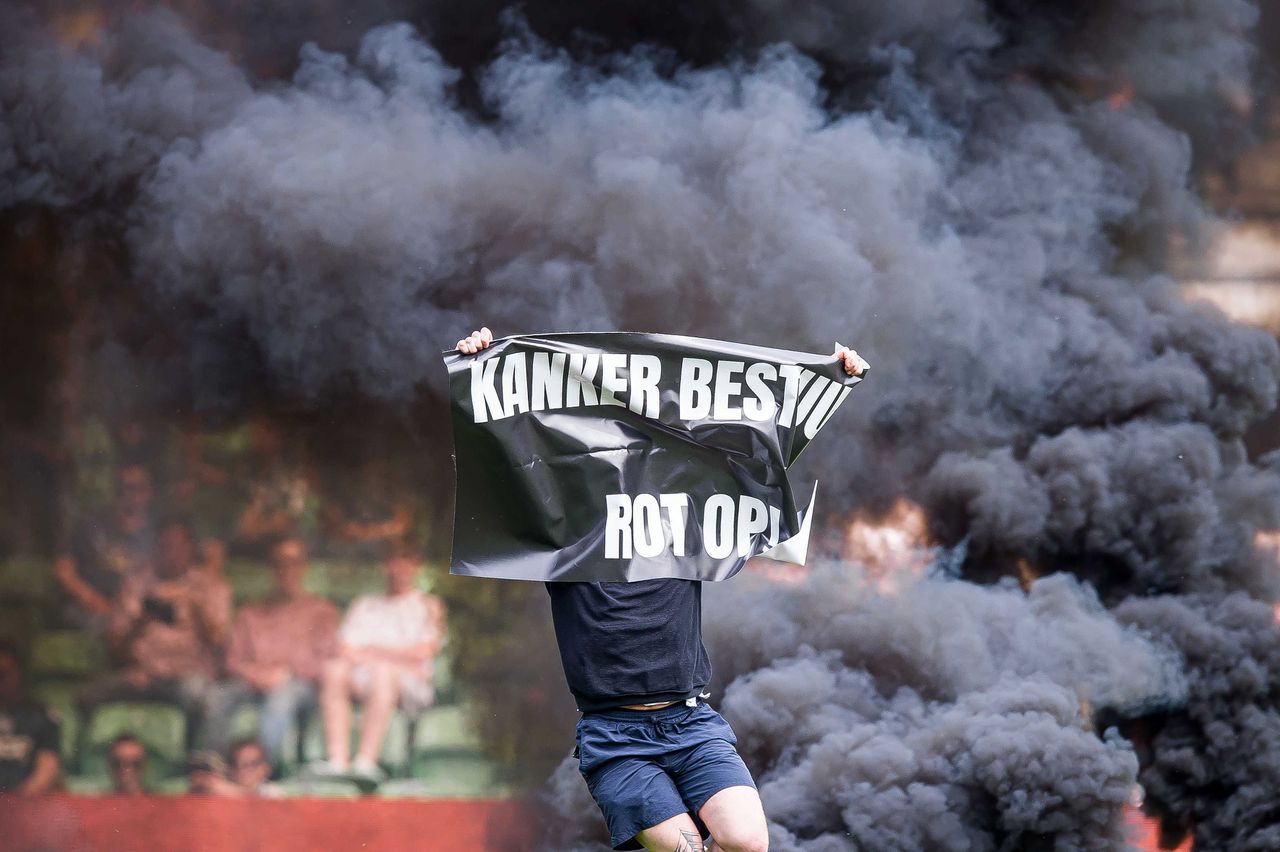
column 64, row 571
column 44, row 776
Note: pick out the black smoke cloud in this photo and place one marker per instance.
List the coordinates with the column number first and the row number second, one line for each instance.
column 945, row 716
column 1217, row 765
column 946, row 186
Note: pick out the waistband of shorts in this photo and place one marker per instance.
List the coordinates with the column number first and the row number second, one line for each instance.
column 623, row 714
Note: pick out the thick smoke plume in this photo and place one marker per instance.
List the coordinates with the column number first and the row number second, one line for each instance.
column 948, row 716
column 979, row 196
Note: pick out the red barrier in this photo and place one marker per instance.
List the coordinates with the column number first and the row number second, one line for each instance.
column 176, row 824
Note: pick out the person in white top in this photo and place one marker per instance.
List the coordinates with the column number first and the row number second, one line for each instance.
column 387, row 649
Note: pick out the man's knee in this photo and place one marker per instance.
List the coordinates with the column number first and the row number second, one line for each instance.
column 736, row 820
column 747, row 841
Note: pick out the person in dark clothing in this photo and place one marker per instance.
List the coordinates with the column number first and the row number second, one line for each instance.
column 103, row 553
column 659, row 761
column 30, row 763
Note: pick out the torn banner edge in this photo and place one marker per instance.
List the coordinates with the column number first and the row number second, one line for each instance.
column 796, row 548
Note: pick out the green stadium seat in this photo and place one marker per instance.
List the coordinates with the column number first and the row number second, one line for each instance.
column 20, row 623
column 464, row 775
column 250, row 580
column 177, row 785
column 66, row 653
column 445, row 683
column 325, row 788
column 60, row 696
column 395, row 756
column 343, row 581
column 445, row 727
column 160, row 726
column 28, row 579
column 247, row 724
column 88, row 785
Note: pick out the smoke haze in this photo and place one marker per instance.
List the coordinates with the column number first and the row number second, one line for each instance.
column 978, row 196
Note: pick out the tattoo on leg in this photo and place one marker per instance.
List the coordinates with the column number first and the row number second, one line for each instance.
column 689, row 842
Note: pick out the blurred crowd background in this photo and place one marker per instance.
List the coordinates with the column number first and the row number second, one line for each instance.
column 226, row 610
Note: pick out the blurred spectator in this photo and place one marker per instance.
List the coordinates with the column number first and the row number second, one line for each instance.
column 127, row 762
column 104, row 552
column 279, row 498
column 367, row 513
column 388, row 645
column 29, row 758
column 250, row 769
column 169, row 629
column 277, row 650
column 206, row 776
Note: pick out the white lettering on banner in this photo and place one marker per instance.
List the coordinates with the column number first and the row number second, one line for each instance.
column 515, row 391
column 644, row 373
column 582, row 373
column 763, row 405
column 651, row 524
column 727, row 389
column 611, row 384
column 548, row 381
column 719, row 391
column 695, row 388
column 617, row 526
column 485, row 402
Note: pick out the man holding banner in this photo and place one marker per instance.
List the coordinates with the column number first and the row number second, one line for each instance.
column 623, row 470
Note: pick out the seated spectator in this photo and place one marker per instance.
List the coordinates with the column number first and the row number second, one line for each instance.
column 250, row 769
column 277, row 650
column 127, row 762
column 388, row 644
column 30, row 763
column 168, row 630
column 104, row 552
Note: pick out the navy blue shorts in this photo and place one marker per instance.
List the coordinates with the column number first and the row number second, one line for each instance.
column 646, row 766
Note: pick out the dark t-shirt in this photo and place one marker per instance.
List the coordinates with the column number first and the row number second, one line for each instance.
column 630, row 643
column 105, row 556
column 25, row 729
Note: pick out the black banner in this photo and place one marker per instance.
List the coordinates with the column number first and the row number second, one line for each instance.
column 624, row 456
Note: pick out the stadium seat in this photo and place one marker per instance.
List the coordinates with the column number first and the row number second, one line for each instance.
column 247, row 723
column 395, row 756
column 326, row 788
column 463, row 775
column 445, row 727
column 250, row 580
column 160, row 726
column 60, row 697
column 66, row 653
column 27, row 579
column 176, row 785
column 343, row 581
column 445, row 684
column 19, row 624
column 88, row 785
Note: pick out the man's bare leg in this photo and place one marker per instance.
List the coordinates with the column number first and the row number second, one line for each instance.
column 677, row 834
column 335, row 709
column 379, row 705
column 735, row 818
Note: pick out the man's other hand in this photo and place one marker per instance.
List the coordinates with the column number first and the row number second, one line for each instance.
column 854, row 365
column 477, row 341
